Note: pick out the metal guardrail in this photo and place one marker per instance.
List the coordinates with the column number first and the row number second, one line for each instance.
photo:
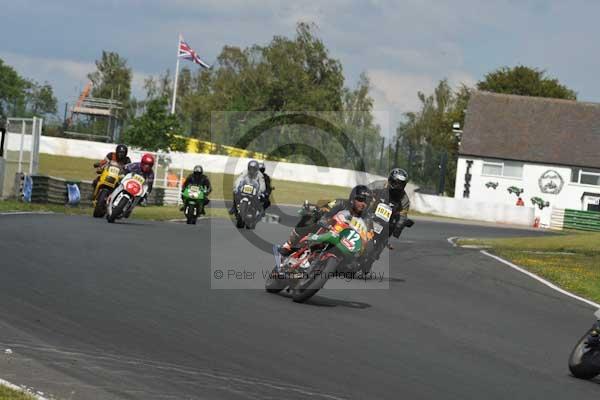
column 582, row 220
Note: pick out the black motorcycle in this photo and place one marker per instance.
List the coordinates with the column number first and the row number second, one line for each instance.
column 383, row 224
column 584, row 362
column 248, row 207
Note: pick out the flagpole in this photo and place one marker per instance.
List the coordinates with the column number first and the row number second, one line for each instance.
column 176, row 76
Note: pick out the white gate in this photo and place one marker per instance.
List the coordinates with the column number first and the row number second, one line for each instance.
column 21, row 151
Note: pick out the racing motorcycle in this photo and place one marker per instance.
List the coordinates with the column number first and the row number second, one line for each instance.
column 193, row 201
column 333, row 248
column 383, row 224
column 248, row 207
column 126, row 196
column 584, row 361
column 108, row 180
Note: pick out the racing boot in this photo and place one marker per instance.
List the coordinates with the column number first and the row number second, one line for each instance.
column 288, row 247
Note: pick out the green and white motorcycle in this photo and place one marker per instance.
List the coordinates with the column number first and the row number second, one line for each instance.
column 193, row 202
column 333, row 249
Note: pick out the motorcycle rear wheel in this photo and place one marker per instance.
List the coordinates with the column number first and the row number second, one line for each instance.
column 579, row 363
column 307, row 288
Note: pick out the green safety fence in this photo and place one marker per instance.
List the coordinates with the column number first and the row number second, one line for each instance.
column 582, row 220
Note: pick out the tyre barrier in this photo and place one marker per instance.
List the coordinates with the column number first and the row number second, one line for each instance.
column 52, row 190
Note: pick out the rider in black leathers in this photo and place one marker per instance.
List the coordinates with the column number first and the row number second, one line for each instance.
column 268, row 188
column 394, row 191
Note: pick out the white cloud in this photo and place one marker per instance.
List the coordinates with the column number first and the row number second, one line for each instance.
column 67, row 77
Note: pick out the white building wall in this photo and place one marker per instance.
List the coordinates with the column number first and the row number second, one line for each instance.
column 570, row 195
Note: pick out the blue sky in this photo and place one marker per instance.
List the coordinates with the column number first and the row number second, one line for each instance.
column 404, row 46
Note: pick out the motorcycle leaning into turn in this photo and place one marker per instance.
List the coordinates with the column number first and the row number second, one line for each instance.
column 121, row 202
column 584, row 361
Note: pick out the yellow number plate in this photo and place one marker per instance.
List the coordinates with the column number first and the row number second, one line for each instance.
column 248, row 189
column 113, row 170
column 358, row 225
column 383, row 211
column 140, row 179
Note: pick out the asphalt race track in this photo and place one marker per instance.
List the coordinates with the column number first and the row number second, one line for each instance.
column 92, row 310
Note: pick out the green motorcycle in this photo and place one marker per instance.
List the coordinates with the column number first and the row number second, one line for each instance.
column 193, row 202
column 332, row 249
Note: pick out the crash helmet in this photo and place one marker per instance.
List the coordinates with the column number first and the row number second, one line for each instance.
column 121, row 152
column 198, row 170
column 360, row 198
column 397, row 179
column 147, row 163
column 252, row 168
column 261, row 167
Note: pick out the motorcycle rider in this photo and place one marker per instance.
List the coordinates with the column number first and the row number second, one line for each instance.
column 251, row 176
column 393, row 190
column 197, row 178
column 356, row 205
column 268, row 188
column 118, row 156
column 143, row 168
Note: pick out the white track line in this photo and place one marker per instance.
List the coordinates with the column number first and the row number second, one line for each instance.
column 26, row 213
column 20, row 389
column 451, row 240
column 542, row 280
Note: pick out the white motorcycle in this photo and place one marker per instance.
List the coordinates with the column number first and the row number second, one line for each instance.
column 126, row 196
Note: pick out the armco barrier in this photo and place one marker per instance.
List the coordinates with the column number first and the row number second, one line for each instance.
column 469, row 209
column 582, row 220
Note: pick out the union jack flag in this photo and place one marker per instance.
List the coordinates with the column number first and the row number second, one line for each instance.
column 186, row 53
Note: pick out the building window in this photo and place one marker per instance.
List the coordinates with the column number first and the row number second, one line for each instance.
column 510, row 169
column 585, row 176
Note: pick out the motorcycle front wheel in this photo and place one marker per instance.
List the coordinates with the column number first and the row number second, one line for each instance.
column 100, row 208
column 117, row 211
column 314, row 281
column 581, row 360
column 275, row 284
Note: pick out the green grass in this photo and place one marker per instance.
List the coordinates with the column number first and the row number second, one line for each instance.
column 11, row 394
column 286, row 192
column 154, row 213
column 571, row 260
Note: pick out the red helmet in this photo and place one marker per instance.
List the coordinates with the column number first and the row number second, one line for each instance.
column 147, row 162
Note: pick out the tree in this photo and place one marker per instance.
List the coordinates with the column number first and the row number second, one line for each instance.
column 40, row 99
column 426, row 138
column 12, row 89
column 525, row 81
column 112, row 79
column 156, row 129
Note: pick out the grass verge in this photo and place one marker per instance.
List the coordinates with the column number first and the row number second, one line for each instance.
column 7, row 393
column 154, row 213
column 286, row 192
column 571, row 261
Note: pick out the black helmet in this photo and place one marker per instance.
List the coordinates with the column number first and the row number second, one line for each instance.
column 361, row 193
column 252, row 168
column 198, row 170
column 121, row 152
column 397, row 179
column 261, row 167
